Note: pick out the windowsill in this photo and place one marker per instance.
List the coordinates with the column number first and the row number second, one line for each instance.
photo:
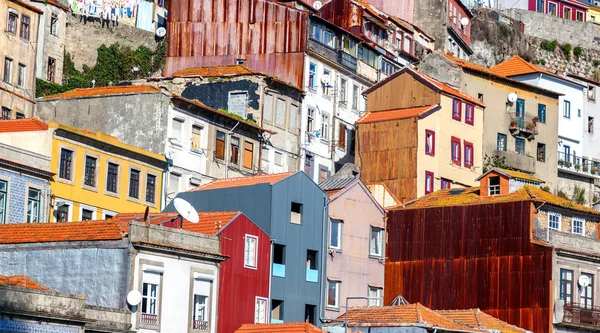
column 176, row 145
column 374, row 256
column 326, row 96
column 196, row 152
column 149, row 327
column 324, row 141
column 64, row 181
column 150, row 204
column 332, row 308
column 340, row 149
column 112, row 194
column 136, row 200
column 250, row 267
column 89, row 188
column 430, row 154
column 335, row 249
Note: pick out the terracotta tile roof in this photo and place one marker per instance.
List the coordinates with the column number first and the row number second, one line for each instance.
column 21, row 281
column 210, row 222
column 103, row 91
column 62, row 232
column 554, row 200
column 402, row 315
column 22, row 125
column 518, row 66
column 28, row 6
column 378, row 116
column 475, row 318
column 276, row 328
column 243, row 181
column 512, row 174
column 213, row 71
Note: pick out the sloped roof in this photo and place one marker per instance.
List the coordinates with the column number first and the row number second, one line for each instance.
column 21, row 281
column 210, row 222
column 213, row 71
column 332, row 183
column 518, row 66
column 378, row 116
column 475, row 318
column 22, row 125
column 276, row 328
column 62, row 232
column 512, row 174
column 103, row 91
column 243, row 181
column 402, row 315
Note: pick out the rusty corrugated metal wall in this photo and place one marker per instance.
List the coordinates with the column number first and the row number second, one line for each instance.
column 466, row 257
column 271, row 37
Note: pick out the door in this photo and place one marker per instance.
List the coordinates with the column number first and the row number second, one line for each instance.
column 567, row 153
column 520, row 113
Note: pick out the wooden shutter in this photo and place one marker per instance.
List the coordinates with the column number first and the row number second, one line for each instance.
column 248, row 154
column 342, row 137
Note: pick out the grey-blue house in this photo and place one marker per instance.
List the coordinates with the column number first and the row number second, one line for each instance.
column 292, row 209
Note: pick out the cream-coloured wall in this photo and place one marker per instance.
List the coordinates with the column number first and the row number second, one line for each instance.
column 39, row 142
column 497, row 120
column 441, row 165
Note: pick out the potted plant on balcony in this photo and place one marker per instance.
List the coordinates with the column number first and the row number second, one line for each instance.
column 530, row 127
column 585, row 168
column 568, row 164
column 561, row 162
column 594, row 171
column 535, row 120
column 577, row 166
column 513, row 123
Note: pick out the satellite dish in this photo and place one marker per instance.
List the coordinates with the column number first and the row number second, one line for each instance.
column 161, row 32
column 464, row 21
column 317, row 5
column 584, row 281
column 512, row 97
column 134, row 298
column 186, row 210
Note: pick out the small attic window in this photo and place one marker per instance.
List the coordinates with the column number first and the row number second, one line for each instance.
column 494, row 185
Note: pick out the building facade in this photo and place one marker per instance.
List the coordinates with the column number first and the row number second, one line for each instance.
column 18, row 45
column 565, row 9
column 52, row 33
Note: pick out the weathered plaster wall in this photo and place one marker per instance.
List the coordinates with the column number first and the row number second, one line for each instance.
column 429, row 15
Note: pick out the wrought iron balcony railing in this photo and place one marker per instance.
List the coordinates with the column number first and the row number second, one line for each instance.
column 579, row 314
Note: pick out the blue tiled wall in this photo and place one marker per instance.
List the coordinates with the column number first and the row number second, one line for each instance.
column 7, row 325
column 18, row 195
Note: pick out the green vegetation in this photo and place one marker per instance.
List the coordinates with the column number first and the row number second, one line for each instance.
column 596, row 62
column 566, row 48
column 539, row 62
column 579, row 195
column 549, row 46
column 490, row 162
column 235, row 115
column 545, row 188
column 577, row 51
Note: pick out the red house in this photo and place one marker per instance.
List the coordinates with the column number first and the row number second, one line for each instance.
column 565, row 9
column 244, row 276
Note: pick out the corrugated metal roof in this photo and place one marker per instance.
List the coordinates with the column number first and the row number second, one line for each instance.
column 331, row 183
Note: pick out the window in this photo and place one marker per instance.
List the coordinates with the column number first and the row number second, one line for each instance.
column 542, row 113
column 3, row 200
column 342, row 136
column 469, row 114
column 566, row 109
column 591, row 93
column 51, row 69
column 7, row 70
column 376, row 242
column 480, row 97
column 25, row 24
column 86, row 214
column 150, row 186
column 174, row 184
column 19, row 115
column 326, row 82
column 355, row 97
column 325, row 126
column 176, row 126
column 520, row 146
column 279, row 260
column 150, row 298
column 11, row 25
column 296, row 213
column 237, row 103
column 134, row 183
column 342, row 95
column 468, row 154
column 21, row 75
column 494, row 185
column 220, row 146
column 62, row 213
column 112, row 178
column 6, row 113
column 108, row 216
column 541, row 152
column 333, row 294
column 260, row 310
column 310, row 118
column 280, row 113
column 65, row 164
column 554, row 220
column 200, row 313
column 196, row 132
column 501, row 142
column 540, row 6
column 375, row 292
column 293, row 118
column 430, row 142
column 335, row 234
column 587, row 293
column 309, row 313
column 89, row 178
column 250, row 251
column 311, row 259
column 323, row 173
column 248, row 154
column 578, row 112
column 567, row 13
column 276, row 311
column 312, row 73
column 590, row 125
column 566, row 285
column 578, row 226
column 455, row 150
column 445, row 183
column 428, row 182
column 234, row 158
column 552, row 9
column 33, row 205
column 278, row 158
column 54, row 25
column 268, row 107
column 456, row 109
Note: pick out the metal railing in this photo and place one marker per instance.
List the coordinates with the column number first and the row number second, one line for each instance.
column 526, row 123
column 200, row 325
column 577, row 164
column 579, row 314
column 149, row 319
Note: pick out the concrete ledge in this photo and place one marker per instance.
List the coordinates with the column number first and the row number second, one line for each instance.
column 516, row 161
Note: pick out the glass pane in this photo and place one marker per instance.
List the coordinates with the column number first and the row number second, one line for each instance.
column 335, row 229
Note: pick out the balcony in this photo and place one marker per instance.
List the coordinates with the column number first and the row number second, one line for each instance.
column 574, row 165
column 367, row 71
column 200, row 325
column 322, row 50
column 149, row 319
column 312, row 275
column 525, row 126
column 517, row 161
column 279, row 270
column 577, row 314
column 574, row 242
column 347, row 60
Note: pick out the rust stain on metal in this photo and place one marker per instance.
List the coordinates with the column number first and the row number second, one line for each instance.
column 466, row 257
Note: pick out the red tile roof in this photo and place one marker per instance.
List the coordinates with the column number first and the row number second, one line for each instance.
column 213, row 71
column 475, row 318
column 103, row 91
column 21, row 281
column 276, row 328
column 210, row 222
column 243, row 181
column 22, row 125
column 517, row 66
column 62, row 232
column 378, row 116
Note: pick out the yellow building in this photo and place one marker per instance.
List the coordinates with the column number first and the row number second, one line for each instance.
column 593, row 14
column 97, row 176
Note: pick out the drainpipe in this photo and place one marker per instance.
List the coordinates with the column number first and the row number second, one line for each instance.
column 226, row 150
column 324, row 259
column 269, row 316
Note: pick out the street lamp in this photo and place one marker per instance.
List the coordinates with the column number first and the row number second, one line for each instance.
column 355, row 297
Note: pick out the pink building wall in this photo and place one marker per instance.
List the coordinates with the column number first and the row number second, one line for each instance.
column 404, row 9
column 561, row 5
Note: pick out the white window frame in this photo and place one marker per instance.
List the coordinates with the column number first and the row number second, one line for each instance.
column 151, row 281
column 337, row 284
column 177, row 141
column 559, row 220
column 578, row 219
column 248, row 264
column 339, row 233
column 90, row 208
column 257, row 302
column 40, row 203
column 381, row 234
column 378, row 293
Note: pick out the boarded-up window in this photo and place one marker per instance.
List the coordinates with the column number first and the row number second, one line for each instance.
column 268, row 107
column 235, row 150
column 196, row 131
column 342, row 137
column 238, row 102
column 280, row 113
column 248, row 153
column 293, row 117
column 220, row 146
